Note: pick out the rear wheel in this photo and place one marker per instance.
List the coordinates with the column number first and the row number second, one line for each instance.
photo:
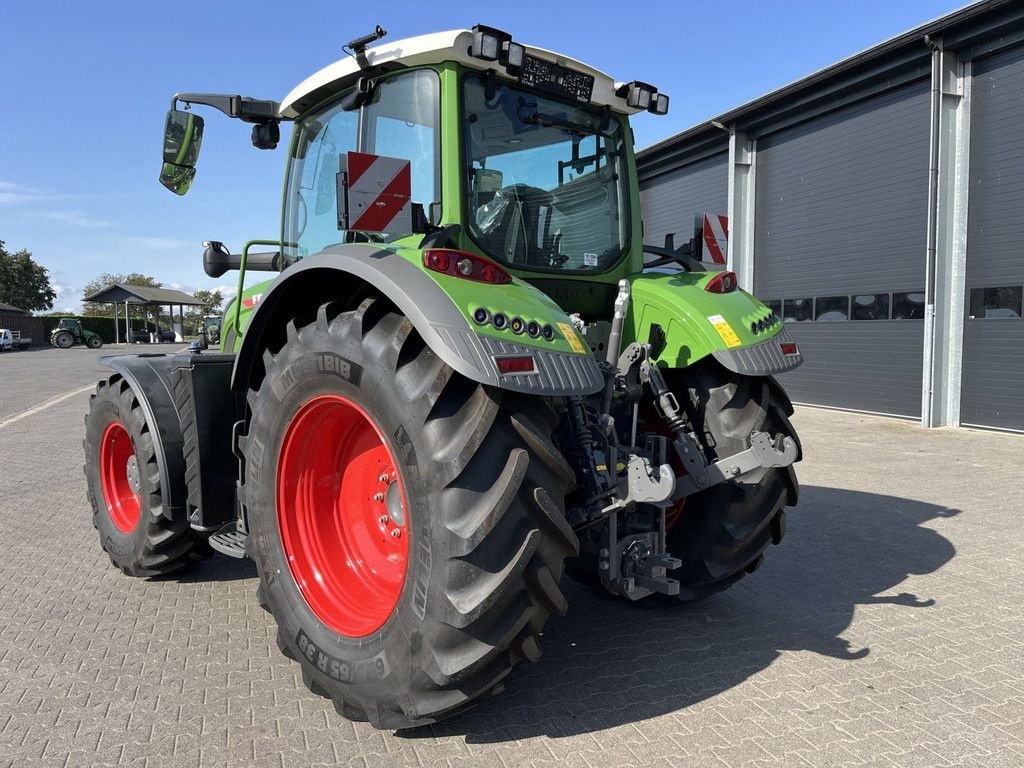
column 721, row 534
column 124, row 488
column 407, row 523
column 63, row 339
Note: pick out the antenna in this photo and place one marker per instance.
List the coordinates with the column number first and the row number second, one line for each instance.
column 357, row 47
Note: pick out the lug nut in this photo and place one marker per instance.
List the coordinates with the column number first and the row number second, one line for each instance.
column 383, row 478
column 383, row 519
column 378, row 497
column 396, row 532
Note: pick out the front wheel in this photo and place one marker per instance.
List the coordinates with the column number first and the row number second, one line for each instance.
column 721, row 534
column 122, row 472
column 407, row 523
column 94, row 342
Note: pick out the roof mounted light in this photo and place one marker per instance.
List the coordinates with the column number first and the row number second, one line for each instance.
column 637, row 95
column 488, row 42
column 659, row 105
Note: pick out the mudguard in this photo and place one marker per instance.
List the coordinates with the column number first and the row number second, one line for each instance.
column 735, row 328
column 150, row 377
column 190, row 410
column 443, row 326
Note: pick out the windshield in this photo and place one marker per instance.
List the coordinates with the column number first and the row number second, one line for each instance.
column 546, row 180
column 400, row 120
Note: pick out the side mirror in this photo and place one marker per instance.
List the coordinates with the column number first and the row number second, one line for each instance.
column 183, row 135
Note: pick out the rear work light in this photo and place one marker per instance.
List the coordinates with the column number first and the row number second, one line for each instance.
column 468, row 266
column 523, row 364
column 789, row 348
column 723, row 282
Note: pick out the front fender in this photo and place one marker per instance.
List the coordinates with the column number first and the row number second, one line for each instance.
column 426, row 301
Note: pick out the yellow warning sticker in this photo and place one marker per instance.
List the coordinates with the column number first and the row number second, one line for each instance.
column 572, row 338
column 725, row 330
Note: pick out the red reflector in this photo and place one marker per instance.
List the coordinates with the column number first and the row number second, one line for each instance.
column 468, row 266
column 515, row 364
column 723, row 282
column 789, row 348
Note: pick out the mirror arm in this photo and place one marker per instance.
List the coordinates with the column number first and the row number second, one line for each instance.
column 246, row 109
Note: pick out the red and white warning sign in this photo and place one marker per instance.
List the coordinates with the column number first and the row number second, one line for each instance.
column 716, row 236
column 379, row 193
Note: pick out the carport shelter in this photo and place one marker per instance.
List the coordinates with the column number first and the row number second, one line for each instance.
column 141, row 295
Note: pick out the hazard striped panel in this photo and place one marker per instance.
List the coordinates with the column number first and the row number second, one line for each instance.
column 716, row 237
column 379, row 191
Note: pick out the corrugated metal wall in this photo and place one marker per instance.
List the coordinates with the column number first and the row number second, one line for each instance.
column 841, row 206
column 993, row 364
column 669, row 202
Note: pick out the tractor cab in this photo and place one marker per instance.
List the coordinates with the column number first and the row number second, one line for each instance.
column 533, row 169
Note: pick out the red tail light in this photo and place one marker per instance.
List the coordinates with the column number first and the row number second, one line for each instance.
column 465, row 265
column 789, row 348
column 522, row 364
column 723, row 282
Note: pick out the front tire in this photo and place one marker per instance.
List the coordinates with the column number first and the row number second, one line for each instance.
column 124, row 488
column 721, row 534
column 462, row 591
column 94, row 342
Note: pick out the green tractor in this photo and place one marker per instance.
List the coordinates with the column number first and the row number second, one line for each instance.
column 69, row 331
column 461, row 380
column 209, row 331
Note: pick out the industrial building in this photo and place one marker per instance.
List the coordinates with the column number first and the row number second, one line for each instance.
column 878, row 206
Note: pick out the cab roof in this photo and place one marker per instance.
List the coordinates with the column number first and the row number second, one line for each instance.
column 432, row 49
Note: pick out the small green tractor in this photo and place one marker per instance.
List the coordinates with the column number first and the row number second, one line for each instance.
column 461, row 380
column 69, row 331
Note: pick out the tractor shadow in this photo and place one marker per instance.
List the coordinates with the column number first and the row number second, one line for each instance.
column 608, row 663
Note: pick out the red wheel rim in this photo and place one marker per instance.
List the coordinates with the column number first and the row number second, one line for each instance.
column 119, row 477
column 341, row 511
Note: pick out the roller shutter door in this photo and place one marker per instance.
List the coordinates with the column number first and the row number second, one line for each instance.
column 840, row 238
column 669, row 202
column 993, row 364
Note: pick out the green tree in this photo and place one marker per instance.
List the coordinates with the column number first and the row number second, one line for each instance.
column 23, row 283
column 105, row 281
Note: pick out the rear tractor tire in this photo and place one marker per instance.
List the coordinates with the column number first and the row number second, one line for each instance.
column 721, row 534
column 407, row 523
column 123, row 479
column 63, row 339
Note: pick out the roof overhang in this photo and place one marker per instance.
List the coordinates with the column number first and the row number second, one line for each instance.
column 431, row 49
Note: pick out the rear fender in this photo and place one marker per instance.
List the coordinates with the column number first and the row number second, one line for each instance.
column 698, row 324
column 350, row 273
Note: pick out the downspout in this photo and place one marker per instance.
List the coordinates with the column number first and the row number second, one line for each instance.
column 931, row 249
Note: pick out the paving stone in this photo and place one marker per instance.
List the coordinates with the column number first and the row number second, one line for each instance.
column 887, row 630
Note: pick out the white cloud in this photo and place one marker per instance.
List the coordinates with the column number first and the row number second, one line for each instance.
column 11, row 193
column 75, row 218
column 161, row 243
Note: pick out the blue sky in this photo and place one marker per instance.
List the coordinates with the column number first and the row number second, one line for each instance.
column 84, row 88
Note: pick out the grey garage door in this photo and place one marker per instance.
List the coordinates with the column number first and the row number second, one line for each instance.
column 669, row 202
column 993, row 366
column 840, row 238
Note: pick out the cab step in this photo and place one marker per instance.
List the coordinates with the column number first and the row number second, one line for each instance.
column 230, row 541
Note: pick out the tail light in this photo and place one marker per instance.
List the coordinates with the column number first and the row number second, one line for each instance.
column 789, row 348
column 465, row 265
column 523, row 364
column 723, row 282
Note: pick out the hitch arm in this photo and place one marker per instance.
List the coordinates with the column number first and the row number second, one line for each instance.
column 764, row 452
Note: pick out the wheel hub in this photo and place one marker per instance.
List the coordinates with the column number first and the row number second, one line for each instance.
column 342, row 515
column 119, row 477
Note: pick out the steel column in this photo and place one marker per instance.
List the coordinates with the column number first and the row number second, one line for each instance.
column 742, row 155
column 946, row 261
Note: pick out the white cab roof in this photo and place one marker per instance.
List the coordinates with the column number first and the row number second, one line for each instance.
column 431, row 49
